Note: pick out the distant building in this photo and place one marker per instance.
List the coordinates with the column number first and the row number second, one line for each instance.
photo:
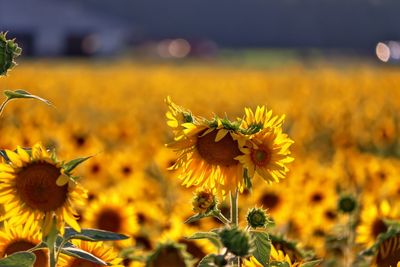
column 54, row 27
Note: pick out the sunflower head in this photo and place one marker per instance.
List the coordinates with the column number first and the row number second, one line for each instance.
column 36, row 186
column 204, row 201
column 169, row 254
column 225, row 154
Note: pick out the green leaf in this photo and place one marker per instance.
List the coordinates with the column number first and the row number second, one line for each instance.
column 9, row 50
column 211, row 236
column 207, row 261
column 81, row 254
column 24, row 94
column 196, row 217
column 311, row 263
column 18, row 259
column 71, row 165
column 92, row 235
column 262, row 247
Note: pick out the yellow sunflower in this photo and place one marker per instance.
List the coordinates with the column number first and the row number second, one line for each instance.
column 373, row 221
column 111, row 212
column 208, row 158
column 35, row 188
column 98, row 249
column 260, row 119
column 21, row 238
column 266, row 154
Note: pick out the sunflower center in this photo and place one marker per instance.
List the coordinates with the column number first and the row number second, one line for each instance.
column 389, row 253
column 84, row 263
column 222, row 152
column 109, row 220
column 22, row 245
column 36, row 186
column 270, row 200
column 260, row 156
column 378, row 227
column 168, row 256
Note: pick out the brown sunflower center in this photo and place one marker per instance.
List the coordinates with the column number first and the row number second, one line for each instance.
column 222, row 152
column 109, row 220
column 168, row 256
column 36, row 186
column 22, row 245
column 260, row 156
column 270, row 200
column 84, row 263
column 378, row 227
column 389, row 252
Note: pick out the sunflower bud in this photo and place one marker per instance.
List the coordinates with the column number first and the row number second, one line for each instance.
column 237, row 242
column 347, row 204
column 9, row 50
column 204, row 201
column 257, row 218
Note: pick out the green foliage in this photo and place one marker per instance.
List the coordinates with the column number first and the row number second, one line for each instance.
column 18, row 259
column 71, row 165
column 92, row 235
column 261, row 247
column 211, row 236
column 9, row 51
column 17, row 94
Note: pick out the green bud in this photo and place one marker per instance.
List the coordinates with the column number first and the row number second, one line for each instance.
column 9, row 50
column 237, row 242
column 347, row 204
column 257, row 217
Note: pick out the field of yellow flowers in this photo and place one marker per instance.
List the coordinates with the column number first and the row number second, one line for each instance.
column 339, row 201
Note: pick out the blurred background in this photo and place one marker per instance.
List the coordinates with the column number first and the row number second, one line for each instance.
column 331, row 66
column 204, row 29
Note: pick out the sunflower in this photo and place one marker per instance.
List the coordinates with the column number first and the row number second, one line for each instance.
column 388, row 254
column 36, row 187
column 219, row 153
column 373, row 221
column 21, row 238
column 261, row 119
column 208, row 158
column 266, row 154
column 98, row 249
column 111, row 212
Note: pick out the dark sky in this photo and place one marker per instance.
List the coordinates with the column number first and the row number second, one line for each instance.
column 300, row 23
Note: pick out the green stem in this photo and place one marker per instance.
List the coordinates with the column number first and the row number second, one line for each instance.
column 235, row 220
column 51, row 244
column 221, row 217
column 234, row 208
column 3, row 105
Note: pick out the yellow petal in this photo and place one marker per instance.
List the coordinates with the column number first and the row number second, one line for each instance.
column 24, row 156
column 14, row 158
column 221, row 134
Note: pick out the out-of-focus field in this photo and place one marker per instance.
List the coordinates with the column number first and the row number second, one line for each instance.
column 345, row 124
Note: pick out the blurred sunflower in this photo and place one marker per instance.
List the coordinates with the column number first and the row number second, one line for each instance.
column 35, row 187
column 111, row 212
column 373, row 221
column 21, row 238
column 98, row 249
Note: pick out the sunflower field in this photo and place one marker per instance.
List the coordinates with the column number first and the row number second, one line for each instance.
column 198, row 164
